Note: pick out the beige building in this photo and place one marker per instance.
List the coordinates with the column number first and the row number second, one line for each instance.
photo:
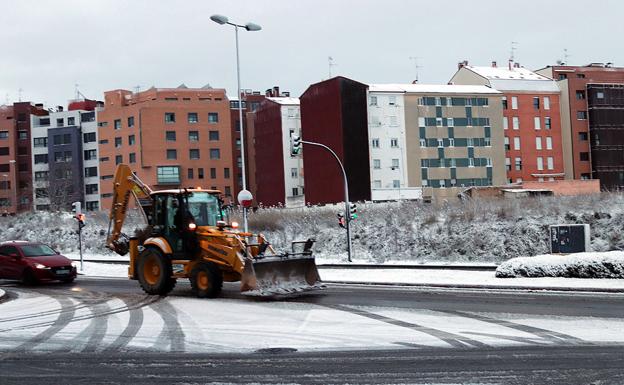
column 441, row 138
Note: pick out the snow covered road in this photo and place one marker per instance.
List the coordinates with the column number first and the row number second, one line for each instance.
column 74, row 319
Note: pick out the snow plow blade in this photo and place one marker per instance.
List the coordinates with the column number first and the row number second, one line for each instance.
column 280, row 276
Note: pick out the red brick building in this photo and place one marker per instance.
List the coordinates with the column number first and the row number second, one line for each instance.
column 573, row 82
column 531, row 119
column 171, row 137
column 15, row 156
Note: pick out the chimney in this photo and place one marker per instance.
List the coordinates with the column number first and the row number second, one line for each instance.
column 462, row 64
column 493, row 63
column 511, row 64
column 39, row 106
column 516, row 65
column 59, row 108
column 268, row 93
column 276, row 91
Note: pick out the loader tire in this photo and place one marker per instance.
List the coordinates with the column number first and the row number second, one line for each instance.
column 155, row 272
column 206, row 280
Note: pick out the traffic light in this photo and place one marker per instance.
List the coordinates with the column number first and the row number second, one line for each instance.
column 76, row 208
column 81, row 220
column 353, row 211
column 341, row 220
column 295, row 145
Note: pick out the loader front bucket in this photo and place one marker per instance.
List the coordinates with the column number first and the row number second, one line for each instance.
column 280, row 276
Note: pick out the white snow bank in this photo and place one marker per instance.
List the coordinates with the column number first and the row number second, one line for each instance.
column 581, row 265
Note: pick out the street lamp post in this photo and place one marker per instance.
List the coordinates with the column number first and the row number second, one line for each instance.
column 220, row 19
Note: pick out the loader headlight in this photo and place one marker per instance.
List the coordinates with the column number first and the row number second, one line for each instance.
column 40, row 266
column 192, row 226
column 235, row 225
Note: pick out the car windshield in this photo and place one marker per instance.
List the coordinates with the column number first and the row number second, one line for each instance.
column 204, row 208
column 37, row 250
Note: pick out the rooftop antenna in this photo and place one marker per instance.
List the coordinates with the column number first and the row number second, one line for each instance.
column 514, row 47
column 416, row 67
column 330, row 64
column 7, row 98
column 78, row 93
column 19, row 94
column 137, row 88
column 565, row 56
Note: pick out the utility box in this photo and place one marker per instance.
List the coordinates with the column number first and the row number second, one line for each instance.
column 565, row 239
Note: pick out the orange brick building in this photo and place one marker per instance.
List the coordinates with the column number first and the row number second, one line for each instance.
column 171, row 137
column 531, row 119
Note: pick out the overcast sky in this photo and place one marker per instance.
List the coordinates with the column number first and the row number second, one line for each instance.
column 49, row 46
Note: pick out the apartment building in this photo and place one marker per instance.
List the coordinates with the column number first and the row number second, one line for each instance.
column 334, row 113
column 15, row 155
column 433, row 140
column 531, row 119
column 171, row 138
column 573, row 82
column 64, row 144
column 279, row 175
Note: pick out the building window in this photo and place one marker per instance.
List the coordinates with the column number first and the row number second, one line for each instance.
column 580, row 95
column 213, row 135
column 581, row 115
column 118, row 142
column 59, row 122
column 4, row 134
column 518, row 163
column 215, row 153
column 193, row 136
column 104, row 159
column 238, row 144
column 536, row 103
column 423, row 143
column 88, row 137
column 169, row 117
column 580, row 76
column 213, row 117
column 546, row 103
column 537, row 123
column 440, row 142
column 90, row 172
column 515, row 121
column 538, row 143
column 396, row 183
column 375, row 143
column 22, row 135
column 192, row 117
column 118, row 159
column 40, row 142
column 131, row 140
column 507, row 146
column 514, row 102
column 200, row 173
column 395, row 164
column 41, row 158
column 376, row 164
column 450, row 122
column 228, row 191
column 194, row 154
column 452, row 142
column 117, row 124
column 213, row 173
column 189, row 173
column 421, row 121
column 168, row 175
column 93, row 206
column 373, row 100
column 540, row 163
column 172, row 154
column 549, row 143
column 132, row 158
column 547, row 123
column 516, row 142
column 90, row 154
column 41, row 176
column 130, row 121
column 391, row 100
column 505, row 123
column 584, row 156
column 504, row 102
column 583, row 136
column 508, row 164
column 563, row 76
column 170, row 136
column 376, row 184
column 394, row 143
column 294, row 173
column 439, row 122
column 550, row 163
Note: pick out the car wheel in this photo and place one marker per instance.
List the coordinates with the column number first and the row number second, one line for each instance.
column 155, row 272
column 68, row 280
column 206, row 280
column 29, row 278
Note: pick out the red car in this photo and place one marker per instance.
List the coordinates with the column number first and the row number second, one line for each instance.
column 33, row 262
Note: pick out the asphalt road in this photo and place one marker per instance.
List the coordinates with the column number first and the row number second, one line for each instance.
column 554, row 358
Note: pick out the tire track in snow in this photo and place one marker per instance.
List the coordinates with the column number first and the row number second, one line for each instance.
column 64, row 318
column 134, row 323
column 172, row 333
column 454, row 340
column 545, row 334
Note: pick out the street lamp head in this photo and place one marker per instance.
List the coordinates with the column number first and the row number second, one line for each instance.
column 219, row 19
column 252, row 27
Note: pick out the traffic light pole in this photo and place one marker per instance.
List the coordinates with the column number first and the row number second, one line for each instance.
column 80, row 245
column 346, row 191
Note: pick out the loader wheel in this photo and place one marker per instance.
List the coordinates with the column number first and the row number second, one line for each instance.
column 206, row 280
column 155, row 272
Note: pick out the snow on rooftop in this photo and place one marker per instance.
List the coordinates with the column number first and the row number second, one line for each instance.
column 286, row 100
column 517, row 73
column 432, row 88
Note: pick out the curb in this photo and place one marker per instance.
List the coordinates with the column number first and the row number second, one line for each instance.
column 482, row 287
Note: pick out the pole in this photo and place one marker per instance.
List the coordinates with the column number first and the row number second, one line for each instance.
column 346, row 191
column 80, row 246
column 241, row 128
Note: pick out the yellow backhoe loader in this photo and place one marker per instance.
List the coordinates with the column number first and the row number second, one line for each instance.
column 188, row 235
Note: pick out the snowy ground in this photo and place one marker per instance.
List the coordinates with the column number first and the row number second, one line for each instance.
column 579, row 265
